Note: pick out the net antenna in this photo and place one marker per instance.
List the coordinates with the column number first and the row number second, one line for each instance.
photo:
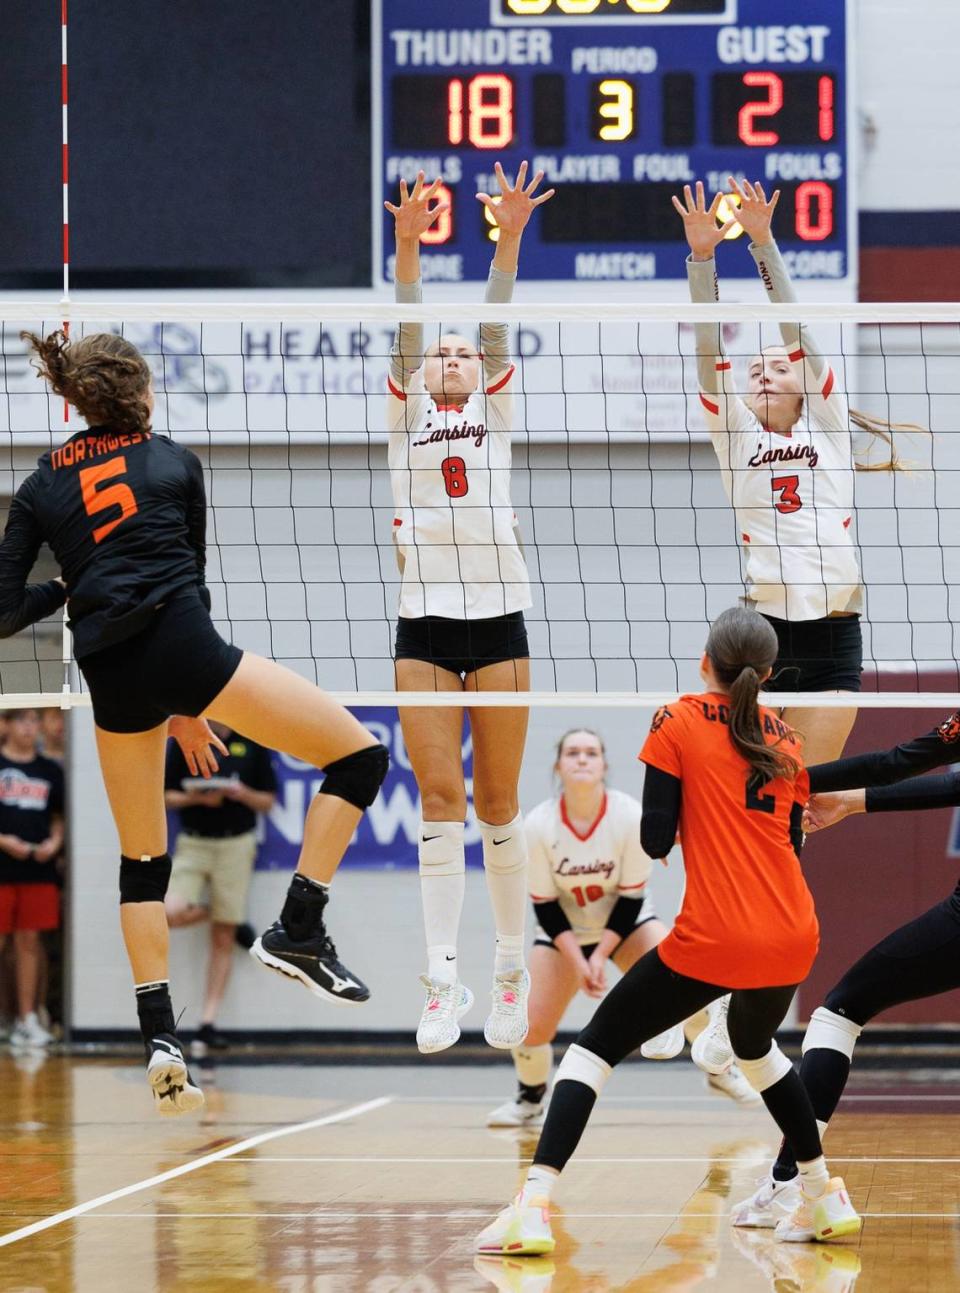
column 631, row 543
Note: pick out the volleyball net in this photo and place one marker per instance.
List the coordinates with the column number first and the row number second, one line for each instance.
column 630, row 541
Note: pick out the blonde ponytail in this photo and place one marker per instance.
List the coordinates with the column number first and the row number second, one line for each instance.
column 883, row 430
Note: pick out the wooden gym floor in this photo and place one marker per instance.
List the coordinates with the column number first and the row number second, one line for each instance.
column 349, row 1179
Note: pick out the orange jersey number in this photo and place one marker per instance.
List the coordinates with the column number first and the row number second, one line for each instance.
column 97, row 500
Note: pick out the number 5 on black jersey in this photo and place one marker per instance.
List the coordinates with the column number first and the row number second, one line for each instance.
column 97, row 499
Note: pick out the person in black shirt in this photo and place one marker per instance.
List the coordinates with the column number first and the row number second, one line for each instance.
column 124, row 511
column 216, row 849
column 31, row 836
column 920, row 959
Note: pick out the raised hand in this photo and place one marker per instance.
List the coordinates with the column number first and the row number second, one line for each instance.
column 414, row 216
column 755, row 213
column 700, row 222
column 514, row 207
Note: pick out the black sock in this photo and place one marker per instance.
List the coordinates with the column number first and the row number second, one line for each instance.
column 302, row 913
column 154, row 1009
column 824, row 1073
column 790, row 1107
column 567, row 1116
column 533, row 1094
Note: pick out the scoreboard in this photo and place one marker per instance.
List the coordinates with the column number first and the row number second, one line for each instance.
column 620, row 103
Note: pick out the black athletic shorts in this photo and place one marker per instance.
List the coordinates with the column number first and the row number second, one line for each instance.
column 817, row 655
column 177, row 665
column 462, row 646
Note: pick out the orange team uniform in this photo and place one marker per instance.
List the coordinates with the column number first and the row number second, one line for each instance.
column 747, row 919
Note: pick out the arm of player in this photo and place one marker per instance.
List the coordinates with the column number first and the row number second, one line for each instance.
column 910, row 796
column 511, row 212
column 755, row 215
column 412, row 218
column 661, row 811
column 932, row 750
column 725, row 412
column 22, row 603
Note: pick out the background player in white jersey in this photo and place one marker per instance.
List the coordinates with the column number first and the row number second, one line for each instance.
column 786, row 457
column 463, row 593
column 588, row 881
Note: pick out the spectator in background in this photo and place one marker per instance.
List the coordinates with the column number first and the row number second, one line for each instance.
column 31, row 836
column 53, row 733
column 215, row 851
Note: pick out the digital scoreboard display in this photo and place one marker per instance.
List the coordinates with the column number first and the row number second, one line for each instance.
column 620, row 103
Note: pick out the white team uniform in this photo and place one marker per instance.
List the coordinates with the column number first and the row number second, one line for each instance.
column 587, row 874
column 793, row 498
column 454, row 521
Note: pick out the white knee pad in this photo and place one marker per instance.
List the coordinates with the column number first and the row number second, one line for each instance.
column 766, row 1072
column 440, row 850
column 504, row 847
column 579, row 1065
column 830, row 1032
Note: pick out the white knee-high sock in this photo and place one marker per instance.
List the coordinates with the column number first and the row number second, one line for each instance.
column 533, row 1064
column 442, row 883
column 505, row 864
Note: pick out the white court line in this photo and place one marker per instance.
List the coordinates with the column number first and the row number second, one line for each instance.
column 229, row 1151
column 688, row 1158
column 664, row 1099
column 455, row 1215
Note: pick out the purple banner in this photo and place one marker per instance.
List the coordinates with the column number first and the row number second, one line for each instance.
column 387, row 834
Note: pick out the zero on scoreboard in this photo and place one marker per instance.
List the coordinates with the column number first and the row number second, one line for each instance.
column 620, row 102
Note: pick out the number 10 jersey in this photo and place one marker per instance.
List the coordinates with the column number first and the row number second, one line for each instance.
column 454, row 523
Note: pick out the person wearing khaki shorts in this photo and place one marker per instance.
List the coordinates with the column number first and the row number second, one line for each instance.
column 214, row 858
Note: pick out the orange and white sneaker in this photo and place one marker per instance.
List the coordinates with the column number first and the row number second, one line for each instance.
column 666, row 1045
column 830, row 1217
column 522, row 1229
column 507, row 1024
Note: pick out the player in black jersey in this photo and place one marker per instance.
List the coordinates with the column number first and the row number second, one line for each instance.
column 124, row 511
column 920, row 959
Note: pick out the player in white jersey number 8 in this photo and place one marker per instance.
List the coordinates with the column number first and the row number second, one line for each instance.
column 787, row 460
column 464, row 588
column 588, row 882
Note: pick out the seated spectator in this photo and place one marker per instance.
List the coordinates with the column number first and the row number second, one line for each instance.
column 31, row 837
column 214, row 857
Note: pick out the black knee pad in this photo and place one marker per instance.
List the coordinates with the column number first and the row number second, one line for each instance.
column 144, row 881
column 358, row 777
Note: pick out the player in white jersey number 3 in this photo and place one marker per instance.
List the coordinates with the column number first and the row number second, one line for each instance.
column 464, row 588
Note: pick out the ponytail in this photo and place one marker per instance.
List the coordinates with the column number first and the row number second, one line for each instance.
column 766, row 761
column 883, row 430
column 103, row 376
column 742, row 647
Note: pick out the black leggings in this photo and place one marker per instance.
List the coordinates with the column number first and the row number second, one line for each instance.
column 920, row 959
column 649, row 999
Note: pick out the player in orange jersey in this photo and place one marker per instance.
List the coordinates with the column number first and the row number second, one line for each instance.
column 728, row 772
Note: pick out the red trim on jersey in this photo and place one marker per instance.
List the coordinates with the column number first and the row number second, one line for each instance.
column 794, row 355
column 394, row 389
column 846, row 524
column 539, row 897
column 451, row 408
column 722, row 366
column 828, row 384
column 745, row 538
column 498, row 385
column 397, row 521
column 708, row 404
column 625, row 888
column 570, row 826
